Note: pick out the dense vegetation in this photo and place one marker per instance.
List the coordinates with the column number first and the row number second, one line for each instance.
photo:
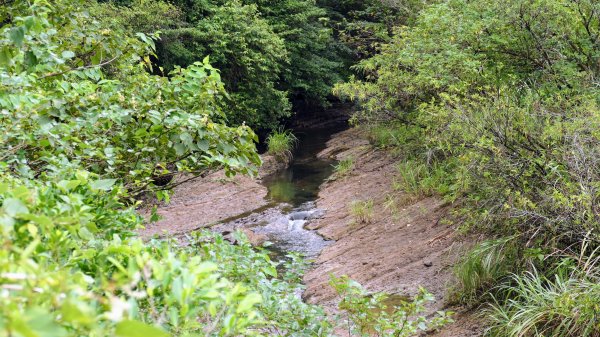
column 497, row 104
column 85, row 128
column 492, row 105
column 270, row 54
column 98, row 111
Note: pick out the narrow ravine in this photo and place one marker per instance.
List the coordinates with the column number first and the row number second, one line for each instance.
column 291, row 199
column 301, row 208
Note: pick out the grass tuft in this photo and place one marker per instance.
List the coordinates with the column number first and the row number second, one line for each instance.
column 281, row 143
column 419, row 179
column 484, row 267
column 362, row 211
column 564, row 305
column 342, row 168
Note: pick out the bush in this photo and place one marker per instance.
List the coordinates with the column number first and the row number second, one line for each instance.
column 366, row 314
column 85, row 126
column 281, row 144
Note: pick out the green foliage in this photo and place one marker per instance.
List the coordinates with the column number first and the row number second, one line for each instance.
column 504, row 96
column 362, row 211
column 269, row 53
column 379, row 314
column 362, row 25
column 248, row 53
column 81, row 95
column 281, row 143
column 84, row 127
column 70, row 237
column 564, row 304
column 314, row 64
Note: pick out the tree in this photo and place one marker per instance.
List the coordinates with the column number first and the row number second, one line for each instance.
column 85, row 124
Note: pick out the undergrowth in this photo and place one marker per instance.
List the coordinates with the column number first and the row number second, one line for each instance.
column 366, row 314
column 560, row 303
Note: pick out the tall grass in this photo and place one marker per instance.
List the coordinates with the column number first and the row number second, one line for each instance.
column 419, row 179
column 281, row 143
column 484, row 267
column 564, row 305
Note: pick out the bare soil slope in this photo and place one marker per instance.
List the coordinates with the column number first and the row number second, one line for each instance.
column 397, row 251
column 214, row 198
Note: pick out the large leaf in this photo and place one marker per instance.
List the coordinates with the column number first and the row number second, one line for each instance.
column 138, row 329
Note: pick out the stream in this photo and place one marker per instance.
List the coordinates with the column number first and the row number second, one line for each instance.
column 292, row 195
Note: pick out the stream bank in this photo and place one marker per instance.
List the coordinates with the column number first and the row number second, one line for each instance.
column 401, row 248
column 395, row 252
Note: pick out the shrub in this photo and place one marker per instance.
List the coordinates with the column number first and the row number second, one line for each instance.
column 84, row 127
column 362, row 211
column 281, row 144
column 366, row 314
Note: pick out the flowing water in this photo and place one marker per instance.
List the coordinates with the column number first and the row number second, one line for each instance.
column 292, row 195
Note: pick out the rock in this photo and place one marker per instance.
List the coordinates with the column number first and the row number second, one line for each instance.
column 306, row 215
column 272, row 164
column 294, row 225
column 428, row 264
column 302, row 215
column 255, row 239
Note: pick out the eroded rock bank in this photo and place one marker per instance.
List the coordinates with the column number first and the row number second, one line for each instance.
column 205, row 201
column 404, row 245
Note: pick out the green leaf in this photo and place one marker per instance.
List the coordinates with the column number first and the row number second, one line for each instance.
column 67, row 54
column 13, row 207
column 17, row 35
column 37, row 323
column 248, row 302
column 5, row 56
column 30, row 59
column 138, row 329
column 103, row 184
column 76, row 313
column 69, row 185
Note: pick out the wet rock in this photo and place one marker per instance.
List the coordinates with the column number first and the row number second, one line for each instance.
column 302, row 215
column 255, row 239
column 296, row 224
column 306, row 215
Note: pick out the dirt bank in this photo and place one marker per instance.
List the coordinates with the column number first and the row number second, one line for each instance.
column 211, row 199
column 404, row 246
